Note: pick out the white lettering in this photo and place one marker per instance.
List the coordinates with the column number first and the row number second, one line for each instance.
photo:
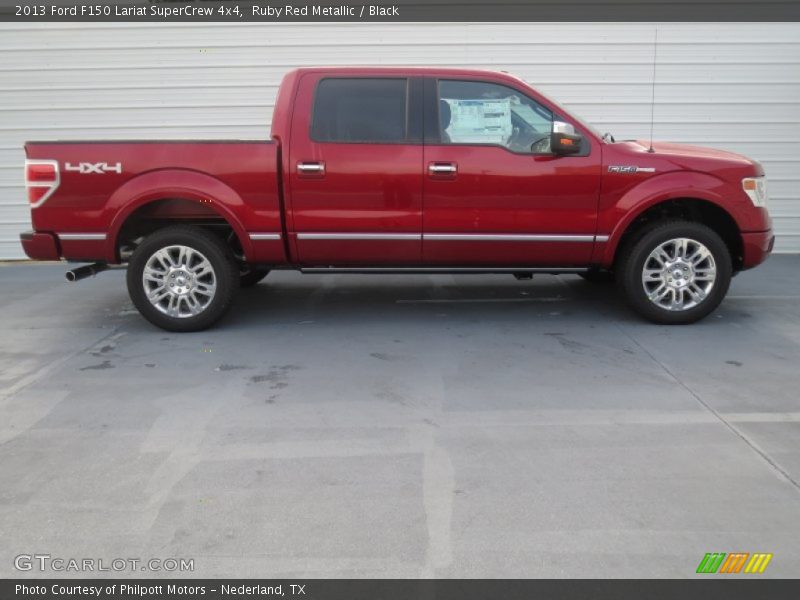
column 99, row 168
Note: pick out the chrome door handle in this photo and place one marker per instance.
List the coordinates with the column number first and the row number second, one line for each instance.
column 317, row 168
column 442, row 168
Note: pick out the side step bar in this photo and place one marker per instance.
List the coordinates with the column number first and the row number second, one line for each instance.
column 444, row 270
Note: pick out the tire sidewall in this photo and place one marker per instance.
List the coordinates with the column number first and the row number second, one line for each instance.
column 221, row 259
column 640, row 251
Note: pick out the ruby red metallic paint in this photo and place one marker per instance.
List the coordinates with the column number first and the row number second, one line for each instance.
column 499, row 209
column 40, row 246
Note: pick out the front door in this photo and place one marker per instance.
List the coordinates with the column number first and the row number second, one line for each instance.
column 494, row 194
column 355, row 171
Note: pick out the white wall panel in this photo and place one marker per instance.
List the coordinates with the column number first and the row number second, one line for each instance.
column 734, row 86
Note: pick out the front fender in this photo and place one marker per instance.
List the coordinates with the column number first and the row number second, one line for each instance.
column 616, row 216
column 174, row 183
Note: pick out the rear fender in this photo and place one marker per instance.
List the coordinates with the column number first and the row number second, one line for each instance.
column 174, row 183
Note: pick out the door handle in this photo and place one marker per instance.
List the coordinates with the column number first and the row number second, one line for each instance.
column 442, row 168
column 311, row 168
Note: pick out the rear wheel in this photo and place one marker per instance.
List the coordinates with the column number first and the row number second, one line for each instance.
column 182, row 278
column 677, row 272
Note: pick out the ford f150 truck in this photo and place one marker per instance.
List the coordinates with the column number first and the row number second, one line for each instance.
column 400, row 170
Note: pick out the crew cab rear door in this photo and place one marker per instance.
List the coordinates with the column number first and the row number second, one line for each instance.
column 494, row 193
column 354, row 192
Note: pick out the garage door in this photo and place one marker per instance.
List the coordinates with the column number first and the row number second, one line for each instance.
column 733, row 86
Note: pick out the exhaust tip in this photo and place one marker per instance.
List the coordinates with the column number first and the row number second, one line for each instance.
column 85, row 271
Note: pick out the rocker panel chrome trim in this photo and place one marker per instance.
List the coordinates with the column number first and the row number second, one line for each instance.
column 506, row 237
column 358, row 236
column 81, row 236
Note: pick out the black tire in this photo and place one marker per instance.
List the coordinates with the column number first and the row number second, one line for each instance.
column 225, row 275
column 633, row 257
column 250, row 276
column 598, row 276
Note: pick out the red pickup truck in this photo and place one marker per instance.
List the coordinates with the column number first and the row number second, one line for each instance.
column 401, row 170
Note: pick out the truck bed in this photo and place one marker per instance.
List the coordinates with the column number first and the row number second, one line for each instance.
column 102, row 183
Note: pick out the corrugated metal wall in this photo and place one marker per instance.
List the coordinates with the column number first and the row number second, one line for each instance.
column 733, row 86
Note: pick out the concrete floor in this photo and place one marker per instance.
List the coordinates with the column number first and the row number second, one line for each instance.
column 408, row 426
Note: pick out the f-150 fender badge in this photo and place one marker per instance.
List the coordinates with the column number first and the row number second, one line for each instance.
column 630, row 169
column 86, row 168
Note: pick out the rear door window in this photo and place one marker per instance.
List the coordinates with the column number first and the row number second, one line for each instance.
column 361, row 110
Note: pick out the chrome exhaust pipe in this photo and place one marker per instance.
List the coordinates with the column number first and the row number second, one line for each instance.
column 85, row 271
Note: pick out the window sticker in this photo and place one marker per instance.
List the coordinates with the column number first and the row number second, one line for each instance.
column 482, row 121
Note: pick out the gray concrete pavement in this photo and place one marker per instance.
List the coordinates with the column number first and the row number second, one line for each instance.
column 401, row 427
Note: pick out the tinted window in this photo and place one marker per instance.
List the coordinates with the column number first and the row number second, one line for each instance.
column 474, row 112
column 360, row 110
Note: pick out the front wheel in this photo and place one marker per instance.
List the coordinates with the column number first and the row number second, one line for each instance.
column 676, row 273
column 182, row 278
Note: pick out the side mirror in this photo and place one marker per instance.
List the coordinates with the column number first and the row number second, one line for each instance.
column 564, row 140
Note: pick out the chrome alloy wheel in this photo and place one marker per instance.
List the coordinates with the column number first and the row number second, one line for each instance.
column 179, row 281
column 679, row 274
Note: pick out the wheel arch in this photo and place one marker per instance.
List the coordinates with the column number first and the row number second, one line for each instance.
column 696, row 210
column 692, row 196
column 190, row 193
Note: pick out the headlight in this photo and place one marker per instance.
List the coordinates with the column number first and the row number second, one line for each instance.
column 756, row 189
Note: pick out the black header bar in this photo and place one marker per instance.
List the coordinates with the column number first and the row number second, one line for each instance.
column 711, row 588
column 244, row 11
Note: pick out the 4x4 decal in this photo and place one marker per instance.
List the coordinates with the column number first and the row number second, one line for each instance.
column 86, row 168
